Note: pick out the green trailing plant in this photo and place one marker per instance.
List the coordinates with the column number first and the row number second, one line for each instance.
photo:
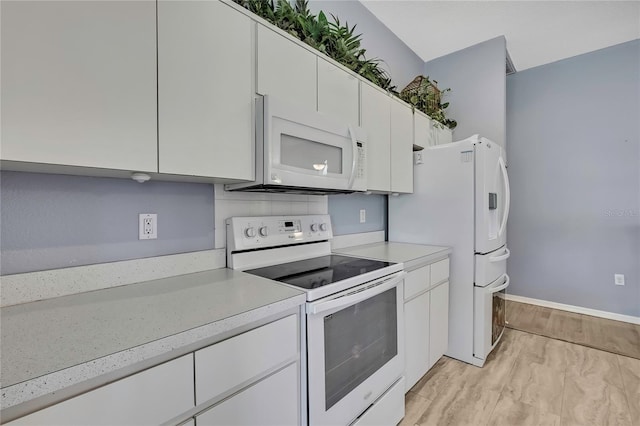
column 428, row 98
column 334, row 39
column 343, row 44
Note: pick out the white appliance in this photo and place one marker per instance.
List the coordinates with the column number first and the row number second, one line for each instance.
column 461, row 199
column 304, row 151
column 354, row 313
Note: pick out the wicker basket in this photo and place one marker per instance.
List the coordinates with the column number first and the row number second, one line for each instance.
column 433, row 103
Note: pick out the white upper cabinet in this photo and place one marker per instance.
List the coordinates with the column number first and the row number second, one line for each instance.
column 79, row 83
column 401, row 147
column 337, row 92
column 205, row 90
column 422, row 134
column 441, row 135
column 285, row 69
column 375, row 118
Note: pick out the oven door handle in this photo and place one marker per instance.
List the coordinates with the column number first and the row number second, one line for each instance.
column 355, row 296
column 501, row 286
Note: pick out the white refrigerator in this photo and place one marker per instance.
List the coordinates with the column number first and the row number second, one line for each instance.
column 461, row 199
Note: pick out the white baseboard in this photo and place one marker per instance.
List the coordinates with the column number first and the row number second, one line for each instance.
column 350, row 240
column 575, row 309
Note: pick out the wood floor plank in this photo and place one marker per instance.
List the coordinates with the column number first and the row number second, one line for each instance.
column 548, row 352
column 414, row 406
column 447, row 373
column 511, row 412
column 630, row 371
column 594, row 364
column 535, row 384
column 468, row 406
column 592, row 402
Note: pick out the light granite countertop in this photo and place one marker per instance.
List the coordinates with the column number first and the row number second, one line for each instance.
column 78, row 342
column 411, row 255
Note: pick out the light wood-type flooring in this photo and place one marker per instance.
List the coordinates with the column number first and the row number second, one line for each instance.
column 613, row 336
column 529, row 380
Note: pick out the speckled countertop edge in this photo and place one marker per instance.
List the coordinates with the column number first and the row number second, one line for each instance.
column 50, row 383
column 376, row 251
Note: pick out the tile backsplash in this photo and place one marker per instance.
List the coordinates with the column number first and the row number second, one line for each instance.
column 229, row 204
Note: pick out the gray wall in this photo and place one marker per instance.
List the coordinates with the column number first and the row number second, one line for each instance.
column 574, row 160
column 345, row 213
column 401, row 62
column 56, row 221
column 476, row 76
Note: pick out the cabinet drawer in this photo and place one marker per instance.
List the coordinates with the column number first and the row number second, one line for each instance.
column 439, row 271
column 236, row 361
column 416, row 282
column 273, row 401
column 153, row 396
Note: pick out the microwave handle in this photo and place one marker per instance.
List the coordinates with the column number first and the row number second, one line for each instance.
column 354, row 151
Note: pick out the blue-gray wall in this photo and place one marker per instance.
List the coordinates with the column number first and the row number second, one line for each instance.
column 401, row 62
column 345, row 213
column 476, row 76
column 574, row 158
column 56, row 221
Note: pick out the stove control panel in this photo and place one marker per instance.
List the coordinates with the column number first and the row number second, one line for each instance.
column 248, row 233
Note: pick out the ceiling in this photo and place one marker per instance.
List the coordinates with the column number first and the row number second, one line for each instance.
column 537, row 32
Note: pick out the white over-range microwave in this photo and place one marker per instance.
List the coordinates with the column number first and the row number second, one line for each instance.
column 304, row 151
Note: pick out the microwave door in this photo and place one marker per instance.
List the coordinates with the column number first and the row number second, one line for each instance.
column 301, row 155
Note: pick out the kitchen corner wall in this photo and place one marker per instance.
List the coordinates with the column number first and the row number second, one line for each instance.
column 574, row 164
column 57, row 221
column 476, row 76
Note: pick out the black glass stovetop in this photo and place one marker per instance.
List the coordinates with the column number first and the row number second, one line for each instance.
column 319, row 271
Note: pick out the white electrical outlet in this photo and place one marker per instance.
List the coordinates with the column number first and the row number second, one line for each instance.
column 417, row 157
column 363, row 216
column 618, row 279
column 147, row 226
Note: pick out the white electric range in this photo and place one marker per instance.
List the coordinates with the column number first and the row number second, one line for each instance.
column 354, row 329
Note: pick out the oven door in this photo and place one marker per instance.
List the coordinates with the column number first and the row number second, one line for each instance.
column 489, row 321
column 355, row 349
column 310, row 149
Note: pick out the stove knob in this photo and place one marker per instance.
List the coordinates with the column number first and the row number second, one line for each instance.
column 250, row 232
column 323, row 226
column 314, row 227
column 264, row 231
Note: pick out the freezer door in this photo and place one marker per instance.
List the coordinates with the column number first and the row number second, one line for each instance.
column 491, row 197
column 490, row 266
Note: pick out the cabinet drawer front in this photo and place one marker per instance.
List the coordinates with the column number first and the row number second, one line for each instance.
column 439, row 271
column 416, row 282
column 273, row 401
column 153, row 396
column 236, row 361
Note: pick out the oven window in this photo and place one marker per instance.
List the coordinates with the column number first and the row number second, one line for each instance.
column 358, row 341
column 310, row 155
column 498, row 316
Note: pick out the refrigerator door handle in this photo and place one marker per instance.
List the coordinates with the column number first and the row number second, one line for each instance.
column 501, row 286
column 507, row 198
column 502, row 257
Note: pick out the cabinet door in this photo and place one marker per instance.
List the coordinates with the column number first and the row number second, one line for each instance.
column 375, row 118
column 337, row 93
column 416, row 326
column 438, row 323
column 205, row 90
column 401, row 147
column 152, row 397
column 286, row 70
column 79, row 83
column 422, row 130
column 273, row 401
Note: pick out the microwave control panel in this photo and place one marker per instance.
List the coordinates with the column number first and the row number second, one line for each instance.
column 249, row 233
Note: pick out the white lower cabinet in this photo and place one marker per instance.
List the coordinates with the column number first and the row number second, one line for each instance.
column 416, row 328
column 438, row 322
column 426, row 319
column 270, row 402
column 153, row 396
